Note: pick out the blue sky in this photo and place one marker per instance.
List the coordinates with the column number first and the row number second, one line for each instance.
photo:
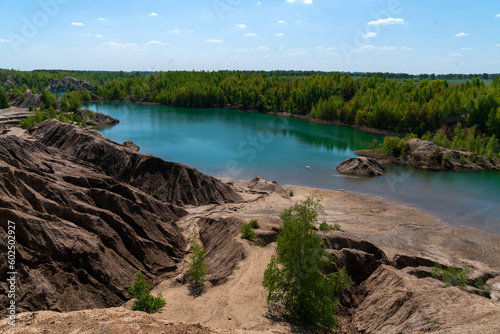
column 411, row 36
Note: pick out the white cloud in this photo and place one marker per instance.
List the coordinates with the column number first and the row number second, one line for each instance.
column 251, row 34
column 154, row 43
column 5, row 41
column 259, row 3
column 175, row 31
column 462, row 34
column 78, row 24
column 263, row 48
column 101, row 19
column 240, row 50
column 99, row 36
column 498, row 45
column 466, row 49
column 370, row 35
column 383, row 48
column 385, row 22
column 377, row 48
column 279, row 34
column 153, row 14
column 456, row 54
column 211, row 40
column 86, row 35
column 498, row 15
column 307, row 2
column 119, row 45
column 241, row 25
column 281, row 21
column 297, row 53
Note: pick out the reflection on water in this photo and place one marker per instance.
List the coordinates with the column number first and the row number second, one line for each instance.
column 243, row 145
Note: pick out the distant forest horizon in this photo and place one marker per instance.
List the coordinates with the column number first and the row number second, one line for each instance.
column 290, row 73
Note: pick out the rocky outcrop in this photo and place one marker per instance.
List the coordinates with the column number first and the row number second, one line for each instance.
column 224, row 250
column 362, row 166
column 69, row 84
column 131, row 145
column 261, row 185
column 80, row 234
column 89, row 213
column 360, row 258
column 401, row 296
column 117, row 320
column 427, row 155
column 395, row 302
column 12, row 116
column 93, row 118
column 30, row 99
column 167, row 181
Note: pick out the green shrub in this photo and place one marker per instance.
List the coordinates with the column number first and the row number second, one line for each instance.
column 295, row 276
column 427, row 136
column 393, row 146
column 440, row 139
column 79, row 120
column 481, row 285
column 247, row 232
column 446, row 163
column 455, row 275
column 197, row 267
column 141, row 291
column 336, row 227
column 325, row 227
column 28, row 123
column 4, row 98
column 254, row 224
column 290, row 193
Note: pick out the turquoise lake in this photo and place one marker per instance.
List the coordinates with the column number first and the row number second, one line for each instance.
column 242, row 145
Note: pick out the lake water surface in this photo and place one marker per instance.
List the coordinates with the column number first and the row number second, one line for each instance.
column 242, row 145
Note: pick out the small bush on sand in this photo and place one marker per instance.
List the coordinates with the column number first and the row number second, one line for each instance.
column 295, row 276
column 455, row 275
column 141, row 291
column 254, row 224
column 197, row 267
column 247, row 232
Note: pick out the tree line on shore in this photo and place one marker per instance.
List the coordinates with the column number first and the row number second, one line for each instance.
column 381, row 101
column 373, row 102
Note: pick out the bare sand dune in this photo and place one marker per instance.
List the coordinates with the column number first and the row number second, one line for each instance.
column 237, row 304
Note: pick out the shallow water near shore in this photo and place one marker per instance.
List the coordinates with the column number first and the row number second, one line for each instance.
column 242, row 145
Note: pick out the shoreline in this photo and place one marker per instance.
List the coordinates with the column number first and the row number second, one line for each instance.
column 379, row 197
column 442, row 216
column 280, row 114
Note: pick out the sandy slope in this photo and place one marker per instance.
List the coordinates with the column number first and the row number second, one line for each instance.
column 239, row 305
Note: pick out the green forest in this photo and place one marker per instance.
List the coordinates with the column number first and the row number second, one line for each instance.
column 376, row 102
column 38, row 80
column 398, row 103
